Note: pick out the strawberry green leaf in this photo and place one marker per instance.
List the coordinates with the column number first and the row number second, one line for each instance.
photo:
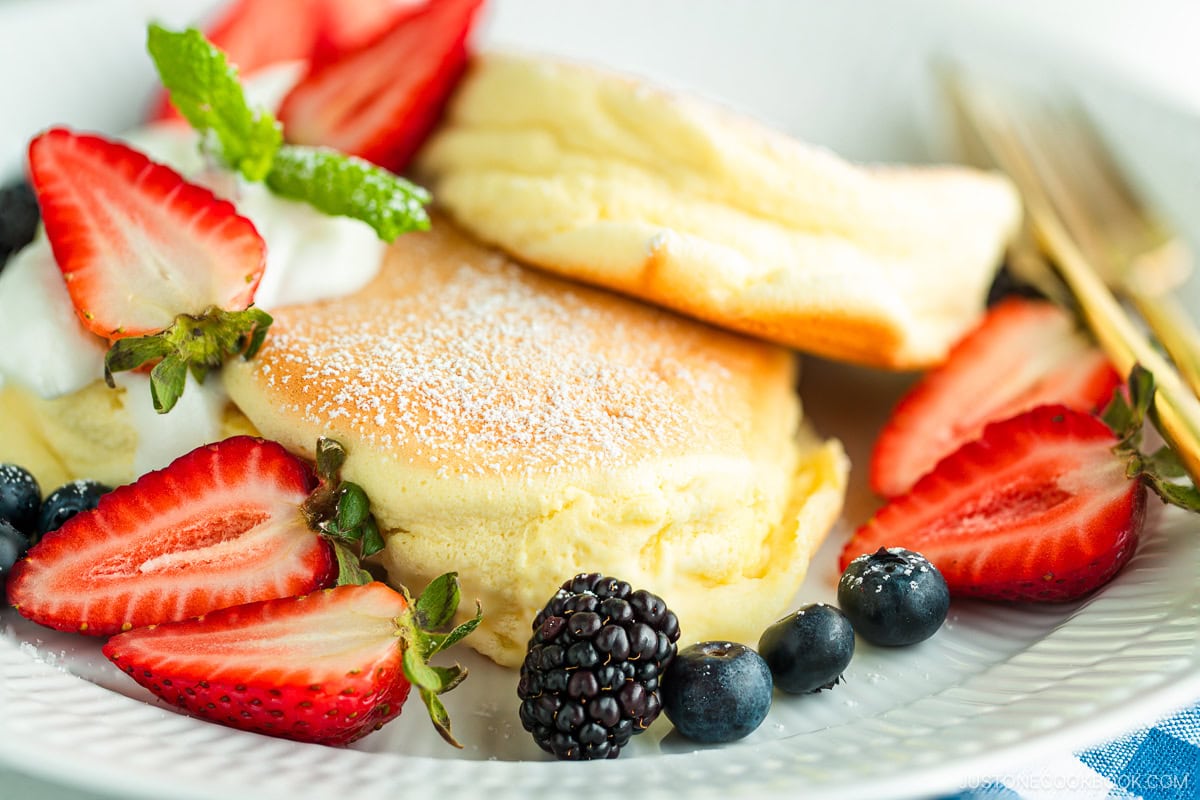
column 441, row 641
column 192, row 343
column 353, row 508
column 1183, row 495
column 1165, row 463
column 420, row 674
column 372, row 540
column 126, row 354
column 350, row 571
column 448, row 677
column 1163, row 473
column 439, row 716
column 167, row 380
column 342, row 185
column 331, row 455
column 205, row 88
column 437, row 604
column 1118, row 415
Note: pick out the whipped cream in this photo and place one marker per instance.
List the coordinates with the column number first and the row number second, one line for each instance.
column 310, row 257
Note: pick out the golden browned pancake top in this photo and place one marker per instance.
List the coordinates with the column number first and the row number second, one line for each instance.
column 460, row 360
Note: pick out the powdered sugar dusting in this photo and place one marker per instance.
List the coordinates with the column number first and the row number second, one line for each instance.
column 478, row 366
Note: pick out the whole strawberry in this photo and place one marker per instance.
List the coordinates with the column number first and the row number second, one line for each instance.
column 328, row 667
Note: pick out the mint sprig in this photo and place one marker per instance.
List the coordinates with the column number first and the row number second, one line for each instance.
column 341, row 185
column 205, row 88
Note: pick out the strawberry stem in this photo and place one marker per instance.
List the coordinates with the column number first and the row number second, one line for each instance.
column 1162, row 471
column 192, row 343
column 341, row 512
column 432, row 610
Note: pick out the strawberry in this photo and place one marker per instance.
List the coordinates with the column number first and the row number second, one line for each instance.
column 346, row 25
column 137, row 244
column 160, row 266
column 381, row 100
column 1038, row 508
column 328, row 668
column 256, row 34
column 1047, row 505
column 260, row 33
column 1025, row 353
column 219, row 526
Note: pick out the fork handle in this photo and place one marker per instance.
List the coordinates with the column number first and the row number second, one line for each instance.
column 1178, row 409
column 1175, row 331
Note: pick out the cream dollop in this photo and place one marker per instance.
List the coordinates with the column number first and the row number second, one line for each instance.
column 310, row 256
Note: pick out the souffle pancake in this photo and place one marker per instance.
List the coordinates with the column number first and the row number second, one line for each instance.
column 517, row 429
column 607, row 179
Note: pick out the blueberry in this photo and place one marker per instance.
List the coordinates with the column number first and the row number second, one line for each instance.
column 20, row 498
column 809, row 649
column 717, row 692
column 19, row 217
column 13, row 545
column 68, row 500
column 894, row 597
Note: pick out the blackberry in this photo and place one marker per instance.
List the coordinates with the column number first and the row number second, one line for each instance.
column 591, row 675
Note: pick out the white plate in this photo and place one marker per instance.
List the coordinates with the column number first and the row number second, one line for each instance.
column 996, row 686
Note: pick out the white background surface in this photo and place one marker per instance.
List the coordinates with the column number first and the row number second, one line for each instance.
column 1136, row 62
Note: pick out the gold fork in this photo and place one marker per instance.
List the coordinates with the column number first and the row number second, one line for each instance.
column 1097, row 233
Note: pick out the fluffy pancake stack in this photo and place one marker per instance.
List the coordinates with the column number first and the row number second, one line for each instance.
column 518, row 429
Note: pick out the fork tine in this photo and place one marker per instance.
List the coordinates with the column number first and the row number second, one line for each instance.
column 1178, row 409
column 1102, row 213
column 1110, row 205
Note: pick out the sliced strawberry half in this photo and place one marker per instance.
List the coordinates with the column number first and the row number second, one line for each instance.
column 1038, row 508
column 258, row 33
column 380, row 101
column 1025, row 353
column 347, row 25
column 219, row 526
column 325, row 668
column 137, row 244
column 329, row 667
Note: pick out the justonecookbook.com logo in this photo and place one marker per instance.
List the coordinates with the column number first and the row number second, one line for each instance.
column 1135, row 783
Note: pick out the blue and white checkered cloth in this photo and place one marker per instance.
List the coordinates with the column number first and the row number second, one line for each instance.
column 1161, row 762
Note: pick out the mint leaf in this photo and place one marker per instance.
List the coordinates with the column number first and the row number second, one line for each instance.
column 342, row 185
column 205, row 88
